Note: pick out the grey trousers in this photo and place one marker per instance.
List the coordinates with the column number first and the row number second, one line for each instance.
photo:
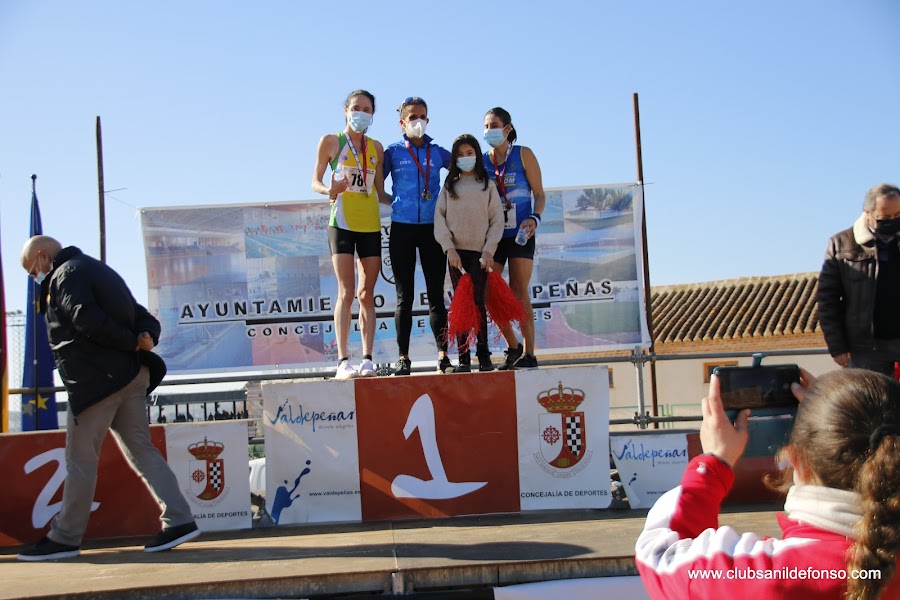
column 123, row 412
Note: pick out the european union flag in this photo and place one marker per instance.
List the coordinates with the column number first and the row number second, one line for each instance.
column 38, row 410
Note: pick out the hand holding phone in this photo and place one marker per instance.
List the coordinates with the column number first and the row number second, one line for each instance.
column 760, row 387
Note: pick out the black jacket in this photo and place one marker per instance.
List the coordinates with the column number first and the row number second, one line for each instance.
column 846, row 293
column 93, row 322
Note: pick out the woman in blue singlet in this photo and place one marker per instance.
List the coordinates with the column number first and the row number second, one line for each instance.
column 517, row 174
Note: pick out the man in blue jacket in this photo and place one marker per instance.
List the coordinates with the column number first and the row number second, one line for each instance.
column 414, row 164
column 101, row 340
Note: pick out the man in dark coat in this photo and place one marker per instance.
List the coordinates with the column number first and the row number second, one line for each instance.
column 859, row 286
column 101, row 340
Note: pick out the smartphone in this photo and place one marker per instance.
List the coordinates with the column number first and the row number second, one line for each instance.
column 766, row 390
column 766, row 386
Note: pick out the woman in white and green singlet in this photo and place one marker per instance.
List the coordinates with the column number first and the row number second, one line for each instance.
column 355, row 188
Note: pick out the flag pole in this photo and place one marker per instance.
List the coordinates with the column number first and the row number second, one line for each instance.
column 34, row 332
column 100, row 187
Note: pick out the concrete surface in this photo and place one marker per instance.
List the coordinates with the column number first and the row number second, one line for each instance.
column 298, row 562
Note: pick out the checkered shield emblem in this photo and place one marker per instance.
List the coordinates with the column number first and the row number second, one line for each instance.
column 207, row 478
column 563, row 438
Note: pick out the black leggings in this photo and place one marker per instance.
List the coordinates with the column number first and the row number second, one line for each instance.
column 469, row 260
column 406, row 238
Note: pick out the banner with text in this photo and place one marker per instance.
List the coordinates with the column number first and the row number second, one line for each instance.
column 563, row 421
column 437, row 445
column 649, row 465
column 312, row 464
column 210, row 462
column 252, row 286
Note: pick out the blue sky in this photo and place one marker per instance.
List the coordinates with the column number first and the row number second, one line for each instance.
column 763, row 122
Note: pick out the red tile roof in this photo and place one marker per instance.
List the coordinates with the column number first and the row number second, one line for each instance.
column 781, row 305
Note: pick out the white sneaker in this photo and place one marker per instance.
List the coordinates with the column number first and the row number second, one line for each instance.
column 367, row 368
column 345, row 371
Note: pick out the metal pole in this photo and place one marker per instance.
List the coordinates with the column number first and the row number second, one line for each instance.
column 638, row 358
column 101, row 193
column 647, row 295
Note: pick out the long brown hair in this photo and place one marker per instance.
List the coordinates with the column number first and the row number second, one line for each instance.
column 847, row 433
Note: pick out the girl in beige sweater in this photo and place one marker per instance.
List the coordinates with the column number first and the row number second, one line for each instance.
column 468, row 224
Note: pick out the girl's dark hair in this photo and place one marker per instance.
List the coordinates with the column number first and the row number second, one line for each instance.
column 359, row 93
column 455, row 172
column 504, row 117
column 835, row 437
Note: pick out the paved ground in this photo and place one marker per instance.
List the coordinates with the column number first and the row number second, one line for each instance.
column 297, row 562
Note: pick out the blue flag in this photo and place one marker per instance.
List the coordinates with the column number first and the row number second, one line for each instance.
column 38, row 411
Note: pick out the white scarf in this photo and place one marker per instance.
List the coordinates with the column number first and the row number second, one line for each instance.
column 833, row 510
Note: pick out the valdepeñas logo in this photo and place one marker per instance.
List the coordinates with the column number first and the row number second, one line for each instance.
column 562, row 430
column 208, row 471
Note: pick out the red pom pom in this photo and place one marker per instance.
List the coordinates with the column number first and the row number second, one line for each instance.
column 463, row 318
column 502, row 304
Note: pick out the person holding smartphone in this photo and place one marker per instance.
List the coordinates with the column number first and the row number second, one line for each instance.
column 841, row 521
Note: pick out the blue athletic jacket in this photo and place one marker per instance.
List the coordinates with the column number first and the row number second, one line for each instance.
column 407, row 183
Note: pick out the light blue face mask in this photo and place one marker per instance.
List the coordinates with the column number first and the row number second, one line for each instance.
column 40, row 276
column 466, row 163
column 494, row 137
column 360, row 121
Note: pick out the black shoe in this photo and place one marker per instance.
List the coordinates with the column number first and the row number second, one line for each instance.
column 172, row 536
column 526, row 362
column 484, row 363
column 47, row 549
column 465, row 364
column 444, row 365
column 403, row 366
column 512, row 356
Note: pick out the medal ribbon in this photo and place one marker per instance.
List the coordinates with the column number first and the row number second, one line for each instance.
column 501, row 177
column 426, row 174
column 363, row 166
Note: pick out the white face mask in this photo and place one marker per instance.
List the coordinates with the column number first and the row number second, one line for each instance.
column 416, row 128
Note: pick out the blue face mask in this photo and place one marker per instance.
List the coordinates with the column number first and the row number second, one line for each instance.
column 359, row 121
column 494, row 137
column 466, row 163
column 40, row 276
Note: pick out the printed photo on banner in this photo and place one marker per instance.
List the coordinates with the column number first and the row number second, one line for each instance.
column 210, row 461
column 312, row 469
column 563, row 424
column 649, row 465
column 252, row 286
column 437, row 446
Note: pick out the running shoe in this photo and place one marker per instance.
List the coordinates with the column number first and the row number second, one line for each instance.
column 465, row 364
column 345, row 371
column 512, row 356
column 403, row 366
column 367, row 368
column 484, row 363
column 444, row 365
column 527, row 361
